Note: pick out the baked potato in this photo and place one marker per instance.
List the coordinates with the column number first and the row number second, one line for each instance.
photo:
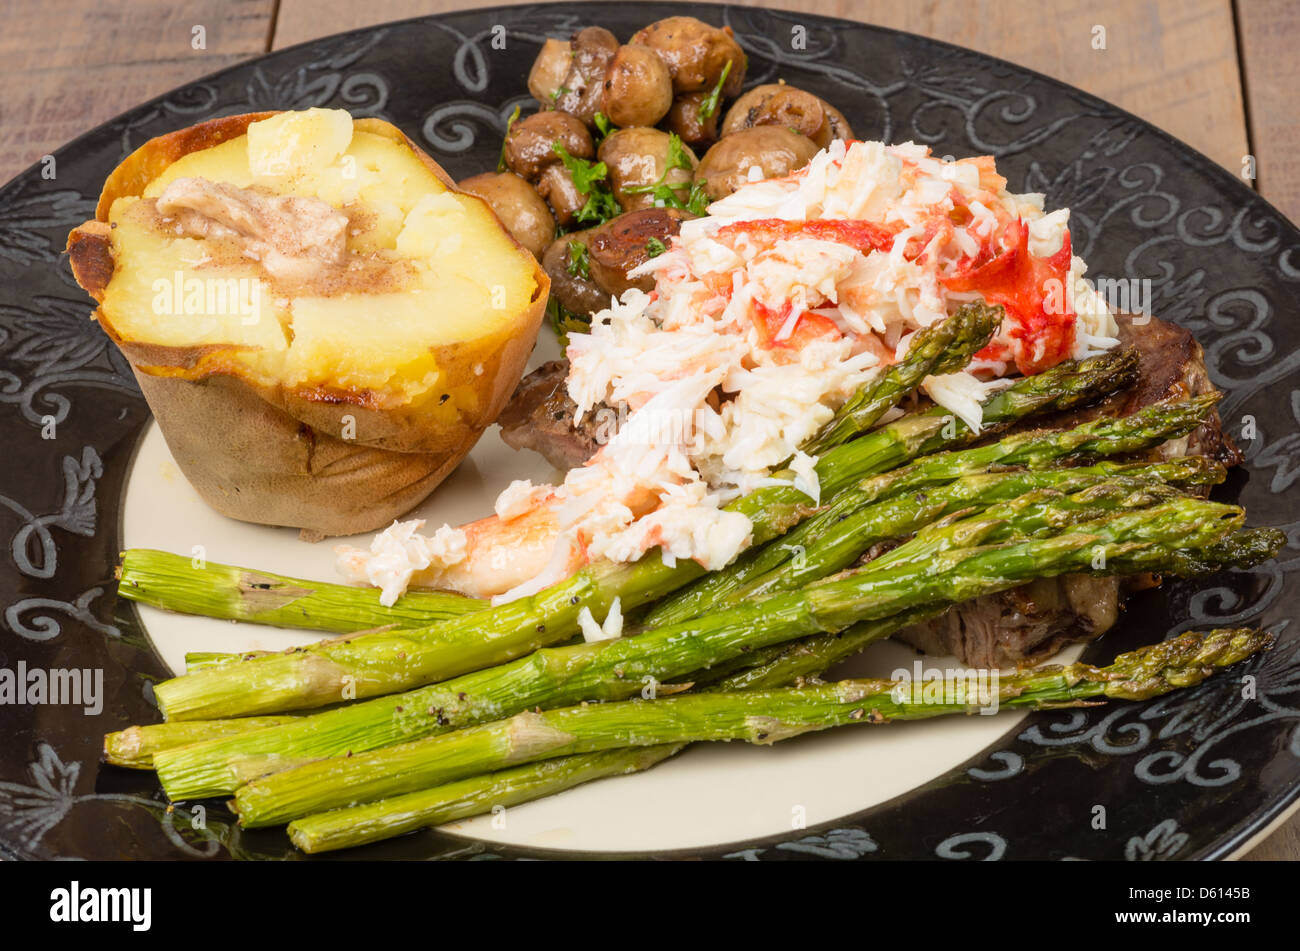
column 322, row 324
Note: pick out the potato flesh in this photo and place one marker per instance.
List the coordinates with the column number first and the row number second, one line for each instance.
column 313, row 138
column 451, row 274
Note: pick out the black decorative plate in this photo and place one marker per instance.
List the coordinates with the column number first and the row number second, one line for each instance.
column 1199, row 774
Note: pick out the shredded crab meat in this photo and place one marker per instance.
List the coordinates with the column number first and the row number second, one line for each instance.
column 765, row 317
column 608, row 631
column 398, row 553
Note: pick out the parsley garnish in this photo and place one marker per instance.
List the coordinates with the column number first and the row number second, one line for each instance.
column 589, row 179
column 654, row 247
column 564, row 321
column 601, row 206
column 578, row 266
column 501, row 162
column 603, row 126
column 585, row 174
column 677, row 155
column 697, row 202
column 709, row 107
column 665, row 195
column 559, row 91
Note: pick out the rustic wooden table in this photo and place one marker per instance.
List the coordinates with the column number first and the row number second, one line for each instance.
column 1217, row 74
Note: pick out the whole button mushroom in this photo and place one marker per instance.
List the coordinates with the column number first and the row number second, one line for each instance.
column 782, row 105
column 774, row 150
column 572, row 288
column 530, row 143
column 517, row 204
column 696, row 53
column 556, row 186
column 529, row 151
column 548, row 72
column 624, row 243
column 637, row 160
column 694, row 119
column 583, row 89
column 638, row 88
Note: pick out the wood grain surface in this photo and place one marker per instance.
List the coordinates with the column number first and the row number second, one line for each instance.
column 67, row 67
column 1269, row 31
column 1172, row 62
column 1218, row 74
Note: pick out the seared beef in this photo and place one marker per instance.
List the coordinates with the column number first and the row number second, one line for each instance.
column 1034, row 620
column 1031, row 622
column 539, row 416
column 1172, row 364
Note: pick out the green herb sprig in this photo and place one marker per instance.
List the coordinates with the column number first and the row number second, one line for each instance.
column 510, row 124
column 665, row 195
column 579, row 265
column 564, row 321
column 590, row 179
column 709, row 107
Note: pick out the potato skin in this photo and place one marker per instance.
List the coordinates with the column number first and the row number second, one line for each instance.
column 638, row 88
column 517, row 204
column 774, row 149
column 636, row 157
column 696, row 53
column 272, row 469
column 240, row 441
column 783, row 105
column 90, row 254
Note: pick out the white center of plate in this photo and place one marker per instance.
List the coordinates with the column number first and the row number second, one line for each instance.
column 709, row 795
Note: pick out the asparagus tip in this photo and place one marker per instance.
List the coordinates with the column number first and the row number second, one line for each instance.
column 1181, row 661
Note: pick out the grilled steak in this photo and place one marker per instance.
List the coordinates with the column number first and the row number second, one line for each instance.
column 1171, row 364
column 1031, row 622
column 1019, row 626
column 1034, row 620
column 539, row 416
